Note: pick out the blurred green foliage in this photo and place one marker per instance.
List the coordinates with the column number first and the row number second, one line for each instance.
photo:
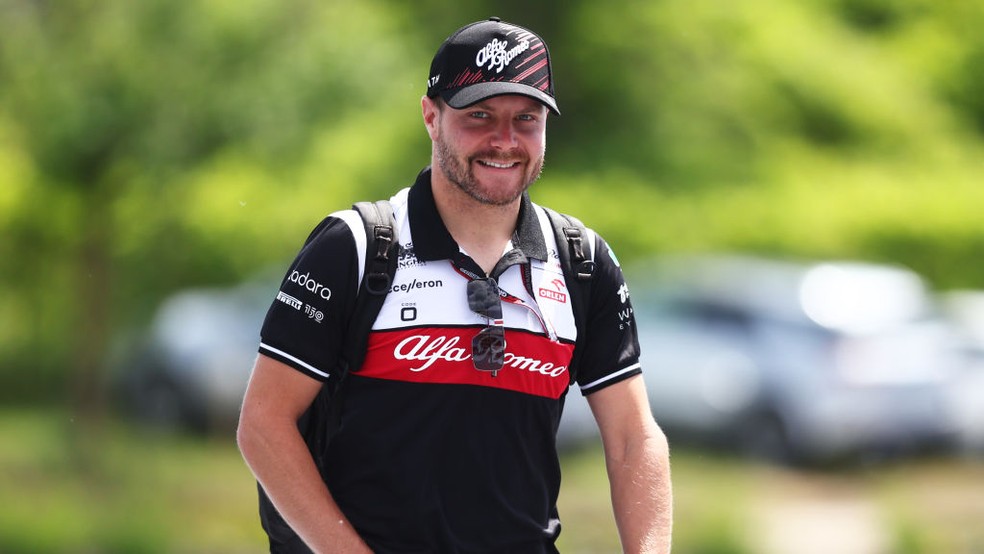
column 149, row 146
column 152, row 493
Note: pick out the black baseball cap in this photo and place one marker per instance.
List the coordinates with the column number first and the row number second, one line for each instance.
column 491, row 58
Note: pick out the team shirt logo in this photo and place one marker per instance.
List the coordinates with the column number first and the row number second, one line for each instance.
column 443, row 356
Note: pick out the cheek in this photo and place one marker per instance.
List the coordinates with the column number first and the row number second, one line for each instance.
column 436, row 130
column 538, row 146
column 536, row 136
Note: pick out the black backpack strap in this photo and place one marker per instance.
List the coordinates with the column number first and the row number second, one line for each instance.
column 577, row 260
column 381, row 257
column 381, row 242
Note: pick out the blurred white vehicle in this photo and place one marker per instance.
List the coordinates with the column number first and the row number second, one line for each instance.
column 964, row 309
column 190, row 369
column 793, row 362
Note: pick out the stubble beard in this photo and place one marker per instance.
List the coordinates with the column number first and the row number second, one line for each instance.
column 461, row 176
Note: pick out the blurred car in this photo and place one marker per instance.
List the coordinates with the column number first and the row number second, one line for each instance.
column 791, row 362
column 190, row 369
column 964, row 309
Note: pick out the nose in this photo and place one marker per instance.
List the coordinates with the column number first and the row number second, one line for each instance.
column 504, row 135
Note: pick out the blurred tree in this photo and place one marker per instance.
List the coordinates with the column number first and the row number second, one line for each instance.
column 97, row 98
column 147, row 146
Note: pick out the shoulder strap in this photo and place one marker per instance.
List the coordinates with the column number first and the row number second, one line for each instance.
column 382, row 255
column 576, row 251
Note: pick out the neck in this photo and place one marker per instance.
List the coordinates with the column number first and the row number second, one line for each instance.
column 482, row 230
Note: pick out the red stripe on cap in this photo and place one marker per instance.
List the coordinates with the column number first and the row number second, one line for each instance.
column 519, row 78
column 466, row 77
column 535, row 52
column 534, row 364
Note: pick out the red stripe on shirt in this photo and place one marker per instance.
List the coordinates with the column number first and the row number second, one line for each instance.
column 533, row 365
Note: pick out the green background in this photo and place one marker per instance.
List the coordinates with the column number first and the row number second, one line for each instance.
column 150, row 146
column 155, row 145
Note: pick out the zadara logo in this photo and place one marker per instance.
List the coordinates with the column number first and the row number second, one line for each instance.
column 310, row 284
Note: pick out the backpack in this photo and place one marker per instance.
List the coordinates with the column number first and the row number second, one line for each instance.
column 382, row 255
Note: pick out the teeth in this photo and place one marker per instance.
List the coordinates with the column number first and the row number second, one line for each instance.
column 497, row 165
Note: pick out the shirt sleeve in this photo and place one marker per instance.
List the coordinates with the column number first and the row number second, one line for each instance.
column 611, row 349
column 305, row 324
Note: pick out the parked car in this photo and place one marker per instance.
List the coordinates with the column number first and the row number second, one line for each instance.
column 794, row 362
column 190, row 368
column 964, row 309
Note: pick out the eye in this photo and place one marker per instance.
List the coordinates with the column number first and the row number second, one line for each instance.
column 478, row 114
column 526, row 117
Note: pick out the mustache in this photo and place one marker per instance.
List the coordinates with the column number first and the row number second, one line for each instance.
column 498, row 156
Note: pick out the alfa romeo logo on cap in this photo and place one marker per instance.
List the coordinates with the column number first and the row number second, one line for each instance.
column 495, row 56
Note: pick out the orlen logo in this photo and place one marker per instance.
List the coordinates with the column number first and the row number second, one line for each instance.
column 310, row 284
column 555, row 295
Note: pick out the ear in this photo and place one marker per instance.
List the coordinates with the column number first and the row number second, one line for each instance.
column 432, row 116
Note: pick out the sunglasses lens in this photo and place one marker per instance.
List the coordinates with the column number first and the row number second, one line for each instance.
column 488, row 349
column 483, row 298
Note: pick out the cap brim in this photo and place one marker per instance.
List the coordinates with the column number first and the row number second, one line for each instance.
column 472, row 94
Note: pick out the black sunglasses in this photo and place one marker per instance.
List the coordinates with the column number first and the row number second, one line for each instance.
column 489, row 345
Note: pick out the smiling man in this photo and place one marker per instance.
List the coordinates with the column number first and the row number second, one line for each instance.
column 444, row 438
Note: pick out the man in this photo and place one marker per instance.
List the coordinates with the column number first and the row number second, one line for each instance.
column 445, row 440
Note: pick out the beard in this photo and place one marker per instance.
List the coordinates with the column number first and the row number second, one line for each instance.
column 459, row 171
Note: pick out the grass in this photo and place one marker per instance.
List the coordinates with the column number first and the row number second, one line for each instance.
column 124, row 492
column 128, row 491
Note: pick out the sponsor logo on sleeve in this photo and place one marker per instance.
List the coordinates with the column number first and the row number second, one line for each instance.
column 305, row 281
column 625, row 319
column 289, row 300
column 625, row 315
column 623, row 293
column 313, row 313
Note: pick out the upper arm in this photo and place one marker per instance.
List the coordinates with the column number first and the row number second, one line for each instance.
column 305, row 325
column 277, row 392
column 623, row 413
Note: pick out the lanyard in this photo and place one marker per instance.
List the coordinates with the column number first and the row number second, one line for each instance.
column 512, row 257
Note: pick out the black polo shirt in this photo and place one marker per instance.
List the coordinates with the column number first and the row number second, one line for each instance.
column 430, row 454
